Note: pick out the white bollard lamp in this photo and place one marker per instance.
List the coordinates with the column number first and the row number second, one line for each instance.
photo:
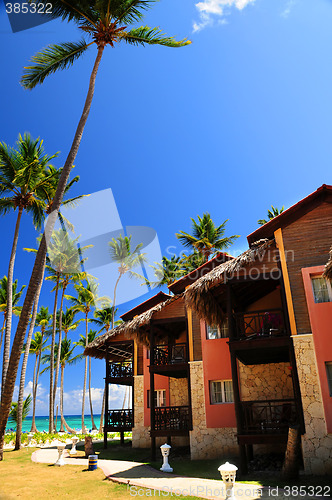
column 30, row 436
column 228, row 475
column 165, row 451
column 73, row 450
column 60, row 461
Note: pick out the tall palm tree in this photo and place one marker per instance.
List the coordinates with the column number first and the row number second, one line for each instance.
column 82, row 343
column 66, row 358
column 16, row 295
column 128, row 259
column 26, row 408
column 206, row 237
column 271, row 214
column 103, row 318
column 24, row 178
column 105, row 22
column 86, row 300
column 43, row 319
column 101, row 20
column 167, row 271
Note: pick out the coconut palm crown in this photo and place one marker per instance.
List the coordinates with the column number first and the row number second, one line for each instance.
column 104, row 22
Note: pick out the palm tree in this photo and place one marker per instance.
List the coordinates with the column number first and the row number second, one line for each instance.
column 128, row 259
column 26, row 409
column 104, row 318
column 167, row 271
column 68, row 323
column 105, row 21
column 43, row 319
column 85, row 301
column 66, row 358
column 82, row 343
column 64, row 266
column 206, row 237
column 3, row 301
column 24, row 178
column 192, row 261
column 271, row 214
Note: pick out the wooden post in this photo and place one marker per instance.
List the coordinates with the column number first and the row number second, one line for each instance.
column 152, row 407
column 122, row 438
column 188, row 374
column 106, row 400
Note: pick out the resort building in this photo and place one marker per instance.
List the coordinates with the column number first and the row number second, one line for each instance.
column 238, row 351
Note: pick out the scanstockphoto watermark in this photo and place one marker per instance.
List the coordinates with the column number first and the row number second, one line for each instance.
column 78, row 240
column 24, row 15
column 192, row 490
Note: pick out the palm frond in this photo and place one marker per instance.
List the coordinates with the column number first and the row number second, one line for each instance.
column 151, row 36
column 130, row 11
column 50, row 60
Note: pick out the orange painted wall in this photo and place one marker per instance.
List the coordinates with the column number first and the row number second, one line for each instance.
column 321, row 324
column 160, row 382
column 216, row 366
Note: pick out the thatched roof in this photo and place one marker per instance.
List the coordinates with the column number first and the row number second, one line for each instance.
column 137, row 328
column 328, row 268
column 199, row 296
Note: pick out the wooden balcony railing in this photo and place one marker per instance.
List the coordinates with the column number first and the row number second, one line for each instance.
column 121, row 370
column 268, row 417
column 253, row 324
column 169, row 355
column 120, row 420
column 172, row 418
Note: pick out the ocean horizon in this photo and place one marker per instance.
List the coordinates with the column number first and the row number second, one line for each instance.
column 74, row 421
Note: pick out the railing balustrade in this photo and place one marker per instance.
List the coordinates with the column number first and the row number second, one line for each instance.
column 173, row 418
column 121, row 369
column 168, row 355
column 253, row 324
column 120, row 419
column 268, row 417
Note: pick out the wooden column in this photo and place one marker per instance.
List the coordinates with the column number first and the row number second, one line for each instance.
column 106, row 399
column 152, row 407
column 188, row 370
column 235, row 381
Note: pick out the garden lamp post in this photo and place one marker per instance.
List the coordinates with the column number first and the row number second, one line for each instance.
column 73, row 450
column 61, row 447
column 165, row 451
column 228, row 474
column 30, row 436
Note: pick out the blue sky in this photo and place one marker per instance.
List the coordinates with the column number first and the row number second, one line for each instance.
column 237, row 121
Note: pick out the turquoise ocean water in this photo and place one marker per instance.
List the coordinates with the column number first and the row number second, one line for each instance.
column 74, row 421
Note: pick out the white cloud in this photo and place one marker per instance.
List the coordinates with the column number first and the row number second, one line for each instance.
column 210, row 9
column 289, row 6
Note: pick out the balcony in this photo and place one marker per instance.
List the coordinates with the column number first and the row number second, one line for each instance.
column 169, row 360
column 266, row 420
column 121, row 373
column 171, row 420
column 257, row 324
column 119, row 420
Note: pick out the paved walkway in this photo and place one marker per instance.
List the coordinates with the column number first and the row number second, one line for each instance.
column 137, row 475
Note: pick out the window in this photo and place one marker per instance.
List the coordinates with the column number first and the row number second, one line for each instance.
column 221, row 391
column 328, row 367
column 217, row 331
column 322, row 290
column 159, row 398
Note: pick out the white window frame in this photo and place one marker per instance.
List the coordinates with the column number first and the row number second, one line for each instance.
column 328, row 287
column 328, row 367
column 220, row 332
column 223, row 392
column 159, row 397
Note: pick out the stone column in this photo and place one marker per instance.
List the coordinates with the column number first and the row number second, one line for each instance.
column 141, row 434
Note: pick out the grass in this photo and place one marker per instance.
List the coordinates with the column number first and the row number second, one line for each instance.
column 22, row 478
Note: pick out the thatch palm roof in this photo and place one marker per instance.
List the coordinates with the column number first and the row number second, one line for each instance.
column 198, row 296
column 328, row 268
column 137, row 328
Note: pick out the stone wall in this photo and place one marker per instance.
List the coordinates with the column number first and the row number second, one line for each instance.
column 316, row 443
column 207, row 442
column 141, row 434
column 261, row 382
column 178, row 391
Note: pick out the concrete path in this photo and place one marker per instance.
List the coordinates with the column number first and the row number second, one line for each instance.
column 137, row 475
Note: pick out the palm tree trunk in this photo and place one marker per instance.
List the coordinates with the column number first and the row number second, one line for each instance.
column 3, row 328
column 85, row 374
column 51, row 395
column 36, row 276
column 101, row 425
column 33, row 424
column 94, row 427
column 6, row 345
column 114, row 297
column 59, row 350
column 62, row 428
column 24, row 369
